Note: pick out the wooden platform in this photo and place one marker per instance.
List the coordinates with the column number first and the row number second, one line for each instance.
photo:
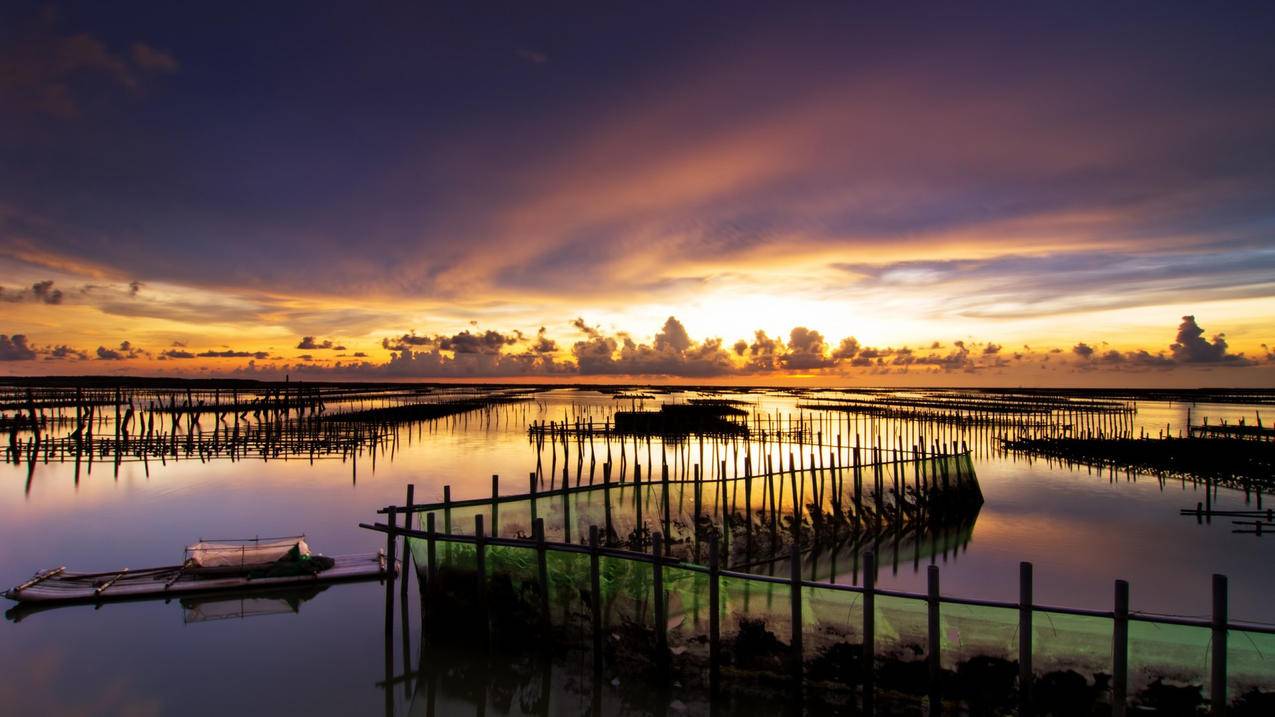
column 61, row 586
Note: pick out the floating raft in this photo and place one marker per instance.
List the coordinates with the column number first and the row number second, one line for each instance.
column 63, row 586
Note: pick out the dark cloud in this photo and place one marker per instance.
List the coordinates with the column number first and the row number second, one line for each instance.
column 487, row 342
column 176, row 354
column 231, row 353
column 15, row 348
column 672, row 337
column 406, row 341
column 64, row 352
column 848, row 347
column 589, row 331
column 764, row 353
column 308, row 343
column 46, row 72
column 465, row 342
column 672, row 353
column 1189, row 349
column 543, row 344
column 1192, row 347
column 806, row 350
column 124, row 352
column 41, row 292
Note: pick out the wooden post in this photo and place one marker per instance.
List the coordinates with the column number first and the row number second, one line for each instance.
column 1120, row 651
column 480, row 567
column 447, row 510
column 794, row 587
column 869, row 631
column 542, row 570
column 407, row 525
column 495, row 506
column 1024, row 633
column 534, row 487
column 391, row 551
column 566, row 512
column 661, row 619
column 595, row 594
column 935, row 646
column 606, row 500
column 431, row 550
column 664, row 499
column 714, row 613
column 1217, row 685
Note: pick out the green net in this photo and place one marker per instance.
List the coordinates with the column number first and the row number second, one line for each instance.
column 687, row 605
column 1174, row 654
column 1250, row 661
column 1063, row 642
column 970, row 631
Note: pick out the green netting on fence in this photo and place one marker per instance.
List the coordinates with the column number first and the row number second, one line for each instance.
column 627, row 590
column 686, row 512
column 756, row 625
column 832, row 634
column 902, row 627
column 1079, row 643
column 969, row 631
column 1250, row 661
column 1177, row 654
column 687, row 604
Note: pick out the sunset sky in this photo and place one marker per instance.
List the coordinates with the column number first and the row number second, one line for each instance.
column 991, row 194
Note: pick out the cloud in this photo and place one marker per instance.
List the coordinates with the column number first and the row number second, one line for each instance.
column 1192, row 347
column 231, row 353
column 806, row 350
column 46, row 73
column 849, row 346
column 543, row 344
column 151, row 59
column 464, row 342
column 15, row 348
column 64, row 352
column 124, row 352
column 308, row 343
column 590, row 331
column 41, row 292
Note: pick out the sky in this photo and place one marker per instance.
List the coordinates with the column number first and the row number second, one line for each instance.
column 798, row 193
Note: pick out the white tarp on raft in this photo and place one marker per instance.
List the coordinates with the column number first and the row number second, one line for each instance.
column 244, row 553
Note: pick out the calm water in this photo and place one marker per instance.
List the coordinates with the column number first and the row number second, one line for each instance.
column 1082, row 530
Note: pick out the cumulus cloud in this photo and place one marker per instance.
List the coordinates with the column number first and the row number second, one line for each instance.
column 672, row 353
column 309, row 343
column 64, row 352
column 850, row 346
column 15, row 348
column 806, row 350
column 124, row 352
column 1189, row 348
column 1192, row 347
column 41, row 292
